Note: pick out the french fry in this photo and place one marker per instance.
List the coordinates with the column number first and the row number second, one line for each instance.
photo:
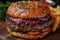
column 55, row 13
column 56, row 24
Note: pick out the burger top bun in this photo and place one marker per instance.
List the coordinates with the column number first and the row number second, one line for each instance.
column 28, row 9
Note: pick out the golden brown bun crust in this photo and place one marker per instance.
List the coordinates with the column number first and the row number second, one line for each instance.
column 28, row 36
column 32, row 9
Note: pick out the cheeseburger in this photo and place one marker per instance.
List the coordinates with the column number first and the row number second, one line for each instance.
column 29, row 19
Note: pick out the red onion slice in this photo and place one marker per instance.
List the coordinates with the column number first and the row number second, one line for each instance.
column 14, row 20
column 17, row 20
column 44, row 19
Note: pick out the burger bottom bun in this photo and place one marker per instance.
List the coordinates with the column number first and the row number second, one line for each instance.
column 28, row 36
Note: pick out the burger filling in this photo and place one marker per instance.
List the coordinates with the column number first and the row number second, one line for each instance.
column 29, row 25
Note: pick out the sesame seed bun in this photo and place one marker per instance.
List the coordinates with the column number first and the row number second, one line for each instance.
column 30, row 9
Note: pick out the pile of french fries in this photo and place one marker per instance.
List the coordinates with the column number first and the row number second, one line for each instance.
column 55, row 13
